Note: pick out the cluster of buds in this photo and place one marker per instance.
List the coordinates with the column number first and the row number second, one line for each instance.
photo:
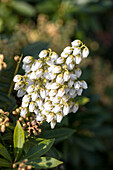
column 4, row 120
column 30, row 125
column 17, row 111
column 50, row 83
column 22, row 165
column 2, row 63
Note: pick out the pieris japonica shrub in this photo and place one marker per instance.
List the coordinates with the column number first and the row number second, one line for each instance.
column 51, row 83
column 47, row 92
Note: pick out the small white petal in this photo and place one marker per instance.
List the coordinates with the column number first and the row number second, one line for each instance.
column 53, row 123
column 75, row 107
column 31, row 106
column 78, row 59
column 68, row 50
column 73, row 76
column 21, row 93
column 28, row 59
column 78, row 72
column 84, row 84
column 26, row 98
column 30, row 89
column 76, row 43
column 70, row 83
column 24, row 111
column 17, row 78
column 59, row 79
column 63, row 54
column 85, row 52
column 61, row 92
column 66, row 76
column 79, row 92
column 42, row 93
column 54, row 56
column 77, row 85
column 43, row 54
column 66, row 109
column 60, row 60
column 76, row 51
column 39, row 118
column 59, row 117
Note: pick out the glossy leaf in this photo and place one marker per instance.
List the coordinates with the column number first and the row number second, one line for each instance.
column 39, row 150
column 44, row 162
column 19, row 139
column 59, row 134
column 4, row 152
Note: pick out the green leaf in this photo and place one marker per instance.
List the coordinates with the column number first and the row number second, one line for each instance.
column 4, row 163
column 82, row 101
column 4, row 152
column 59, row 134
column 19, row 139
column 39, row 150
column 44, row 162
column 26, row 146
column 23, row 8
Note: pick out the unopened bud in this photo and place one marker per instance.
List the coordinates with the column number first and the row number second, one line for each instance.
column 14, row 112
column 7, row 119
column 2, row 128
column 16, row 58
column 25, row 160
column 20, row 118
column 14, row 165
column 7, row 124
column 29, row 167
column 24, row 125
column 39, row 130
column 17, row 110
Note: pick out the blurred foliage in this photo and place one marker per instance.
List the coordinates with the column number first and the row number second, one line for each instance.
column 31, row 25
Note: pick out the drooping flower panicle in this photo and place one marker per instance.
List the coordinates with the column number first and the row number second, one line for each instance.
column 51, row 83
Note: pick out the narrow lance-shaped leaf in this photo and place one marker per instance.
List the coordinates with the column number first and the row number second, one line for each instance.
column 44, row 162
column 4, row 163
column 59, row 134
column 4, row 152
column 19, row 139
column 39, row 150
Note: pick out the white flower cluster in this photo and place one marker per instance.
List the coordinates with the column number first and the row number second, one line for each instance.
column 51, row 83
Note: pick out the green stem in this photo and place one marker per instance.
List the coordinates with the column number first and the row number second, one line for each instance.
column 16, row 70
column 12, row 83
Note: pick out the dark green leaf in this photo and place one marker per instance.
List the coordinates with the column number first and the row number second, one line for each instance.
column 44, row 162
column 4, row 152
column 4, row 163
column 39, row 150
column 59, row 134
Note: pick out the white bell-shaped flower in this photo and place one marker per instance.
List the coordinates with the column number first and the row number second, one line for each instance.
column 76, row 43
column 85, row 52
column 75, row 107
column 24, row 111
column 59, row 117
column 78, row 72
column 53, row 123
column 27, row 59
column 66, row 109
column 43, row 54
column 78, row 59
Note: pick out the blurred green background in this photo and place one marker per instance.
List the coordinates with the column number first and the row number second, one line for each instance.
column 29, row 26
